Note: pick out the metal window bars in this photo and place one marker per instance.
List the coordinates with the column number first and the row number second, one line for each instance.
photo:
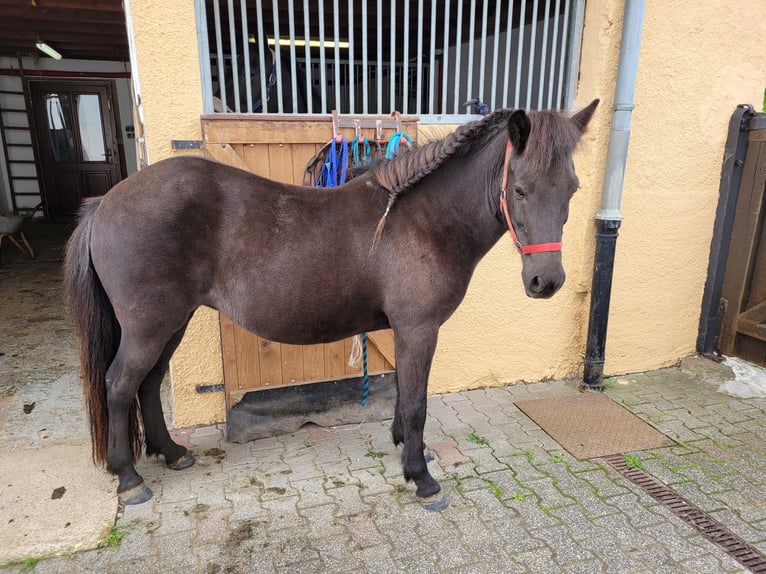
column 369, row 57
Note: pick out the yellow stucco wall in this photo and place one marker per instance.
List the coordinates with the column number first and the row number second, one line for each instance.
column 698, row 61
column 165, row 35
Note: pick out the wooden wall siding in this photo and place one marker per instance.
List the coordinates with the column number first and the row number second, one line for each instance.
column 279, row 149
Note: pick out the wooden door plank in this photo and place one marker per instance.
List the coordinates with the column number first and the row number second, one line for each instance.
column 384, row 341
column 313, row 362
column 226, row 153
column 281, row 162
column 334, row 359
column 376, row 363
column 292, row 364
column 257, row 158
column 229, row 355
column 270, row 356
column 248, row 363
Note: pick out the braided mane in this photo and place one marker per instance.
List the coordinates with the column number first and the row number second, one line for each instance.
column 552, row 139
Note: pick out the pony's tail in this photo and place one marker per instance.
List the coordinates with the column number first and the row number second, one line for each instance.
column 98, row 331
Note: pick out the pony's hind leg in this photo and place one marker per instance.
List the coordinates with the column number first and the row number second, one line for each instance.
column 132, row 363
column 157, row 437
column 414, row 353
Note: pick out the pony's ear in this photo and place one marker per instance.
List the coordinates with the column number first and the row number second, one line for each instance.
column 582, row 117
column 518, row 130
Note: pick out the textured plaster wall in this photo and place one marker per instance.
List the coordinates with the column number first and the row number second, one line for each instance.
column 171, row 94
column 698, row 61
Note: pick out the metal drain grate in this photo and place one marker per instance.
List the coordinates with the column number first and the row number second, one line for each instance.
column 710, row 528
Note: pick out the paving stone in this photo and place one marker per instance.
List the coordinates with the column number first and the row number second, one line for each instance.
column 335, row 501
column 335, row 553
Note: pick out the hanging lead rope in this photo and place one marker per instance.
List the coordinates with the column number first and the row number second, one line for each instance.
column 333, row 171
column 392, row 149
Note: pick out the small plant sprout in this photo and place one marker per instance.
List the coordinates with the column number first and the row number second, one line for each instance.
column 475, row 439
column 377, row 455
column 518, row 497
column 113, row 538
column 633, row 461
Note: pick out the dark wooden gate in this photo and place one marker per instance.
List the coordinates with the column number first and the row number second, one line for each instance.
column 743, row 294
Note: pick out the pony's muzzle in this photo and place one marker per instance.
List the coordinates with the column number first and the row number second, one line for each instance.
column 543, row 283
column 542, row 288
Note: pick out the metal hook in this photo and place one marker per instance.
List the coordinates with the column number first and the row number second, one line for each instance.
column 336, row 126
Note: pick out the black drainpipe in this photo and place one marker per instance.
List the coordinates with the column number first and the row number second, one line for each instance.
column 609, row 217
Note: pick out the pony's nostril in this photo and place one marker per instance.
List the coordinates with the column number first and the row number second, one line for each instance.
column 536, row 285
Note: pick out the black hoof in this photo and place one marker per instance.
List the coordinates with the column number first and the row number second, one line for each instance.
column 428, row 455
column 185, row 461
column 436, row 504
column 427, row 489
column 136, row 495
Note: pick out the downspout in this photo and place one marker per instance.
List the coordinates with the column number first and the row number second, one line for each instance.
column 609, row 218
column 142, row 152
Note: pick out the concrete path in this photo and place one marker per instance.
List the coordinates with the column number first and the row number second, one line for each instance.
column 334, row 500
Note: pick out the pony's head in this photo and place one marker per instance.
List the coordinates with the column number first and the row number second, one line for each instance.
column 539, row 182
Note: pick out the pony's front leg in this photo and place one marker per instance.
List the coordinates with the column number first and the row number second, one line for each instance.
column 414, row 353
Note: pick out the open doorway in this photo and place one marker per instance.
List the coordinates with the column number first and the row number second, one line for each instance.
column 80, row 150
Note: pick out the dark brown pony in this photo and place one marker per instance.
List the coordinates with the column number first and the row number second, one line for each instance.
column 298, row 265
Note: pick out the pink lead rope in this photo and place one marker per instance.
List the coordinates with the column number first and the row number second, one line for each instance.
column 523, row 249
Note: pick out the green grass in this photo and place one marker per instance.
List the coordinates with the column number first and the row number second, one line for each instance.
column 113, row 538
column 518, row 497
column 495, row 489
column 475, row 439
column 633, row 461
column 29, row 564
column 377, row 455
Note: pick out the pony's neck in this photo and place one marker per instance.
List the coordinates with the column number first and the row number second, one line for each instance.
column 466, row 192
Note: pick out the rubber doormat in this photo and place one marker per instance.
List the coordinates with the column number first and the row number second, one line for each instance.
column 592, row 425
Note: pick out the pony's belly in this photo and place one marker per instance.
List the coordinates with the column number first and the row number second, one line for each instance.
column 300, row 325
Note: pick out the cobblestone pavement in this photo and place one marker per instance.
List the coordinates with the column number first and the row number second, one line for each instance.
column 334, row 500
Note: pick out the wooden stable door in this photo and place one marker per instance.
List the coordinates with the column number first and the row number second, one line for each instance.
column 743, row 296
column 280, row 148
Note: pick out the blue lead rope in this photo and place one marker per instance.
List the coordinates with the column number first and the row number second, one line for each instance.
column 333, row 171
column 366, row 155
column 392, row 149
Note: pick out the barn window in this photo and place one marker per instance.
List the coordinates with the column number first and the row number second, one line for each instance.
column 419, row 57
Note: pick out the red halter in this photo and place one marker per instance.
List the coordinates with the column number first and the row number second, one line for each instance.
column 523, row 249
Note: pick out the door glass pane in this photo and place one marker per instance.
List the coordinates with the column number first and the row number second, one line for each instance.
column 59, row 112
column 91, row 127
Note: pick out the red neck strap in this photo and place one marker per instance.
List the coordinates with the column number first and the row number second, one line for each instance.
column 523, row 249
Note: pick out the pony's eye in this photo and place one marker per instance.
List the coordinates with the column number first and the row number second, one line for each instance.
column 519, row 193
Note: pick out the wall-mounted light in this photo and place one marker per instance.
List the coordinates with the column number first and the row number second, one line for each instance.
column 46, row 49
column 300, row 42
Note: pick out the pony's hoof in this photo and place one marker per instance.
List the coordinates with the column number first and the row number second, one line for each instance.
column 436, row 503
column 427, row 489
column 136, row 495
column 185, row 461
